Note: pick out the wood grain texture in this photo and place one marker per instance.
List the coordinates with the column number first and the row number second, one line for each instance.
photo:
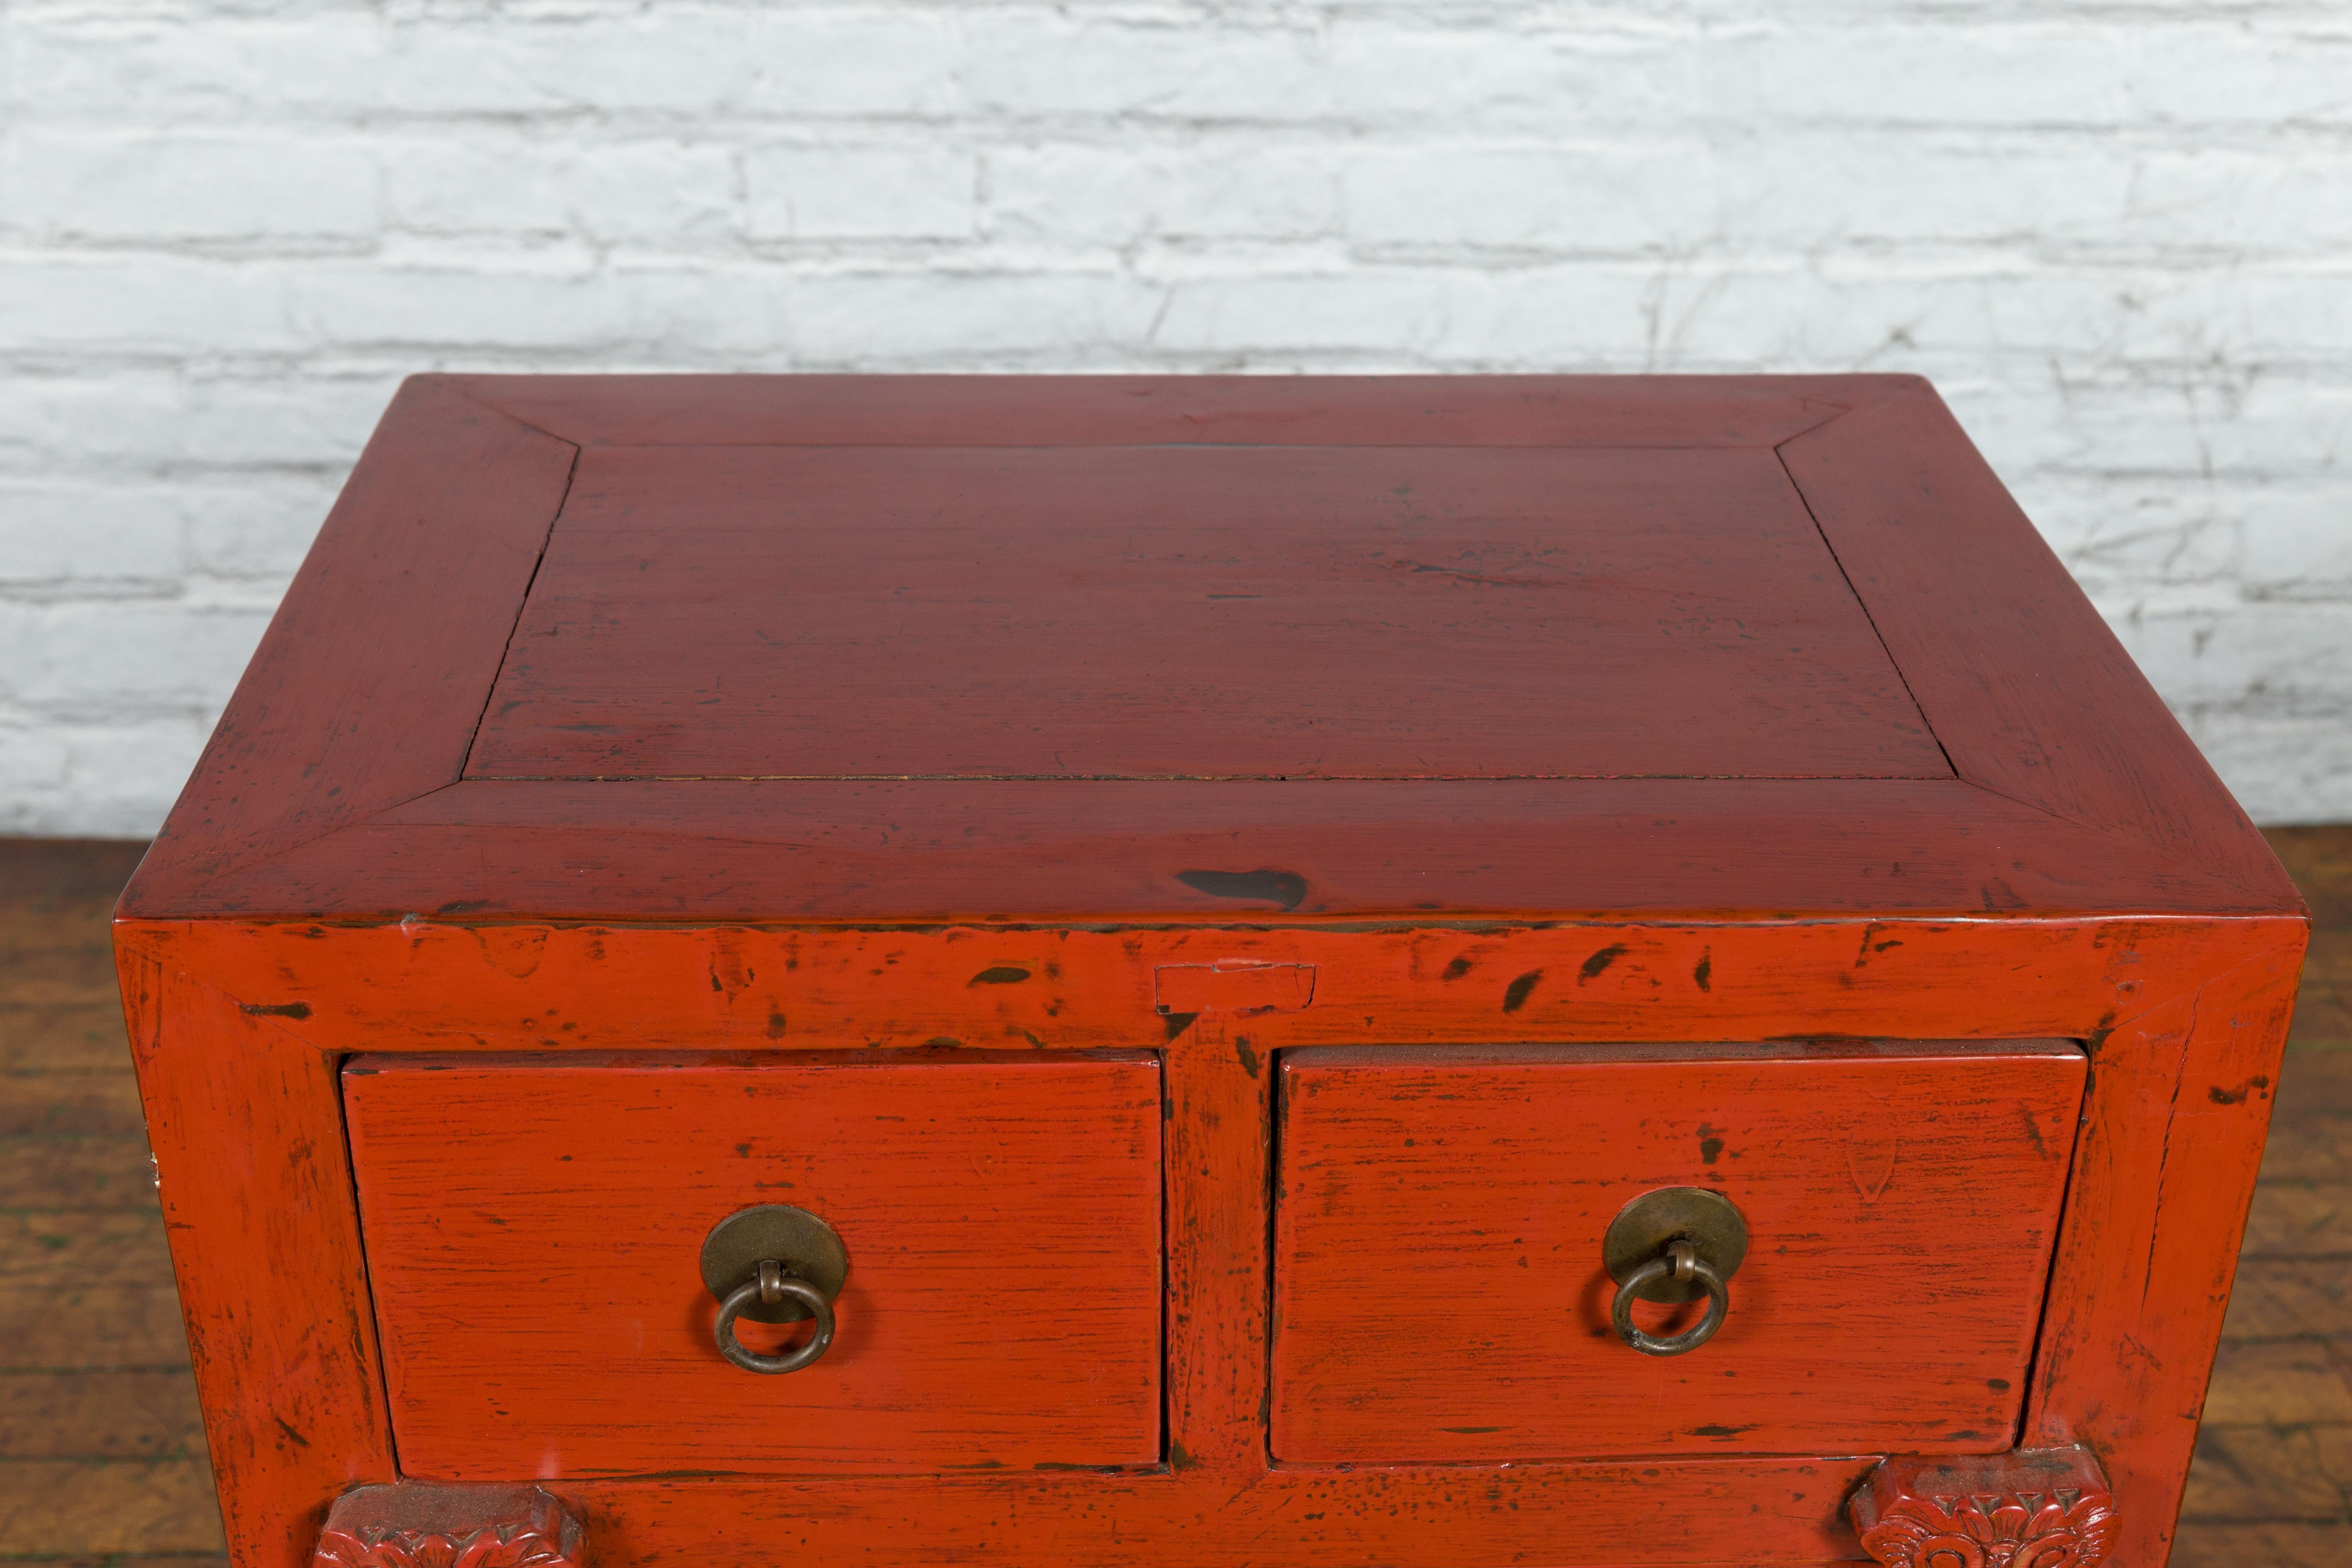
column 246, row 1123
column 1633, row 1514
column 2289, row 1383
column 2300, row 1218
column 72, row 1171
column 2232, row 1544
column 1018, row 850
column 1212, row 613
column 2280, row 1501
column 431, row 985
column 370, row 679
column 81, row 1289
column 120, row 1509
column 2164, row 1173
column 2320, row 861
column 533, row 1227
column 2029, row 693
column 332, row 885
column 2271, row 1480
column 435, row 985
column 68, row 1105
column 438, row 985
column 1902, row 499
column 1439, row 1293
column 1655, row 411
column 2274, row 1296
column 1221, row 1168
column 2260, row 1471
column 75, row 1038
column 99, row 1413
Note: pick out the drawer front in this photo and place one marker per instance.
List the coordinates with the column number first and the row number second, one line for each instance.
column 1439, row 1287
column 533, row 1228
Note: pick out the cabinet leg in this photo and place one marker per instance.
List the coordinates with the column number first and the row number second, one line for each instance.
column 2035, row 1508
column 422, row 1524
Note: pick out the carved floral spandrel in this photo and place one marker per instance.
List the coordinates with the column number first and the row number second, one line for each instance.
column 418, row 1524
column 2046, row 1508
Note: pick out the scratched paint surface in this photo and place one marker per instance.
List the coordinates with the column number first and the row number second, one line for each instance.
column 1450, row 1201
column 1002, row 1220
column 335, row 883
column 1211, row 612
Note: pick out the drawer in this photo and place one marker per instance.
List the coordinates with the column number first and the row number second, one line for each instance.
column 1440, row 1292
column 533, row 1228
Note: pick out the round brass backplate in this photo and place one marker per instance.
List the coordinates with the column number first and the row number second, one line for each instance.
column 1706, row 1219
column 808, row 1249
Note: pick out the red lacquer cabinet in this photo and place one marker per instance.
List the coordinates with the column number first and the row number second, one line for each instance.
column 1167, row 973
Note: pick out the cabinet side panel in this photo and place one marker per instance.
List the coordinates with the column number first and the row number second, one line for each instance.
column 2173, row 1127
column 247, row 1134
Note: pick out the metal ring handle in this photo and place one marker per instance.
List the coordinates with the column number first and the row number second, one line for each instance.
column 772, row 1285
column 1678, row 1261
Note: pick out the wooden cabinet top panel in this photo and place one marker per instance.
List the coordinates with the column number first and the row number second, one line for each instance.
column 921, row 648
column 1193, row 612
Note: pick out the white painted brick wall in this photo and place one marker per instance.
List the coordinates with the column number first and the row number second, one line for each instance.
column 2118, row 233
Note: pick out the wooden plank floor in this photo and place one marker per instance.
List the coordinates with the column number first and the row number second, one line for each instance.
column 102, row 1456
column 102, row 1459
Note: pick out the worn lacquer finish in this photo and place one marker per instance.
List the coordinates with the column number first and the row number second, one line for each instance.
column 441, row 525
column 2034, row 1507
column 1651, row 412
column 1001, row 1217
column 1033, row 850
column 741, row 612
column 417, row 1524
column 2008, row 842
column 1453, row 1200
column 435, row 986
column 246, row 1132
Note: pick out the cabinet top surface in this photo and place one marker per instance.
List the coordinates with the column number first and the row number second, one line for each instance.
column 1193, row 612
column 1042, row 648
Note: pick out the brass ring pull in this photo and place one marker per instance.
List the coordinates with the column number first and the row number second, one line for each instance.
column 772, row 1287
column 1674, row 1244
column 774, row 1264
column 1681, row 1263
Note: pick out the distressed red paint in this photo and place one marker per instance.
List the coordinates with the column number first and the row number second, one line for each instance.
column 1201, row 721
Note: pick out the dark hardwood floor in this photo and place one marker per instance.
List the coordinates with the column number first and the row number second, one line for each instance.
column 102, row 1456
column 102, row 1459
